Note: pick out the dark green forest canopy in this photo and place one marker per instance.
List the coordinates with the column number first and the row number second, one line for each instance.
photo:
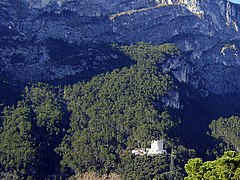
column 227, row 130
column 30, row 132
column 109, row 115
column 114, row 112
column 142, row 52
column 17, row 149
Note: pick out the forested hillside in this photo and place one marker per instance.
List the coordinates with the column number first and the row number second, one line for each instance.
column 92, row 126
column 88, row 87
column 227, row 130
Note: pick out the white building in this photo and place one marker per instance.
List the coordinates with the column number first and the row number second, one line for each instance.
column 156, row 149
column 140, row 151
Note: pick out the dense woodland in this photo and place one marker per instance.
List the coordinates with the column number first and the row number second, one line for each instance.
column 92, row 126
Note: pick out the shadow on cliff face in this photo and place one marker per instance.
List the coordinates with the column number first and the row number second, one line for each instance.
column 198, row 112
column 10, row 92
column 59, row 62
column 64, row 63
column 84, row 61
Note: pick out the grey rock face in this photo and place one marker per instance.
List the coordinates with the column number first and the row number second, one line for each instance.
column 171, row 100
column 179, row 67
column 207, row 32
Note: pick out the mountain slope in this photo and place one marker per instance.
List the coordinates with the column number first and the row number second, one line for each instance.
column 208, row 32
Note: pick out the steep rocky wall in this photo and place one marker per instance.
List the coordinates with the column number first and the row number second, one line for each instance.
column 204, row 38
column 206, row 31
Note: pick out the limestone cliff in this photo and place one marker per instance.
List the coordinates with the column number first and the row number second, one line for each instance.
column 207, row 32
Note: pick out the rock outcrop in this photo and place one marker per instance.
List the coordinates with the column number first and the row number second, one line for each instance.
column 207, row 32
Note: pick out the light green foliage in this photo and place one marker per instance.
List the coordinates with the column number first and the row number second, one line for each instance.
column 228, row 130
column 224, row 168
